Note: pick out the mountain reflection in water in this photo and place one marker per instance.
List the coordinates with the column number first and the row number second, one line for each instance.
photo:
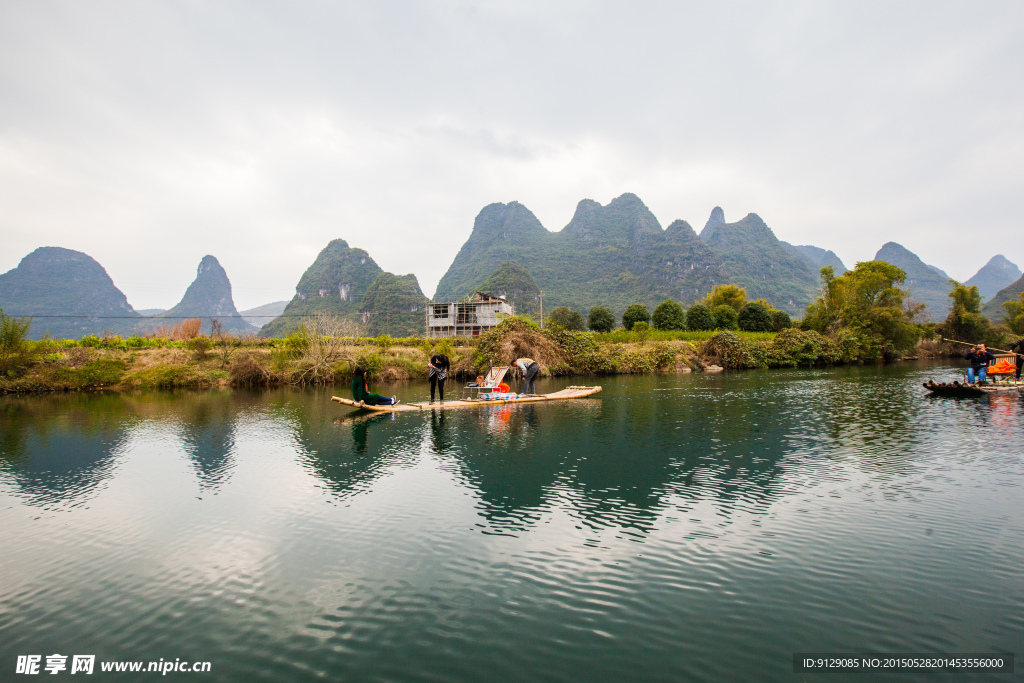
column 694, row 527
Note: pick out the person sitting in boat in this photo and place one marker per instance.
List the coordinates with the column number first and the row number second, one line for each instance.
column 361, row 393
column 438, row 372
column 530, row 369
column 980, row 358
column 1019, row 346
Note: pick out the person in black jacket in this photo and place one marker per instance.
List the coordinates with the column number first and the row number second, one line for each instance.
column 1019, row 346
column 438, row 371
column 980, row 358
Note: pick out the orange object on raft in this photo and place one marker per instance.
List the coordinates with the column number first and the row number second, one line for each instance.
column 503, row 388
column 1002, row 368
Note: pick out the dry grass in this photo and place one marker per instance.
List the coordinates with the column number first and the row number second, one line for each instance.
column 182, row 331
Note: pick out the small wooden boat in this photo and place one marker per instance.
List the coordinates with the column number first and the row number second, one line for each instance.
column 564, row 394
column 961, row 389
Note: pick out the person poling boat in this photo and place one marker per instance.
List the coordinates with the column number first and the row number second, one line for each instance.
column 530, row 370
column 362, row 394
column 1019, row 347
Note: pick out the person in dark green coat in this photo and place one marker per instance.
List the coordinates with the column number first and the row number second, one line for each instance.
column 361, row 393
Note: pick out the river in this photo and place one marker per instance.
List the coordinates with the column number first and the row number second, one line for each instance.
column 681, row 527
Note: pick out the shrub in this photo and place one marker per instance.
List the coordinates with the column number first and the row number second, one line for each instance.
column 247, row 371
column 634, row 314
column 601, row 319
column 725, row 317
column 699, row 318
column 781, row 321
column 566, row 318
column 91, row 340
column 731, row 351
column 669, row 315
column 754, row 317
column 199, row 346
column 13, row 332
column 641, row 331
column 136, row 342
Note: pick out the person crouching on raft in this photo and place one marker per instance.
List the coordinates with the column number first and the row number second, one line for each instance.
column 438, row 372
column 980, row 358
column 530, row 369
column 361, row 393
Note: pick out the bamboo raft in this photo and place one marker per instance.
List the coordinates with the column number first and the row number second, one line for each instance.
column 963, row 389
column 564, row 394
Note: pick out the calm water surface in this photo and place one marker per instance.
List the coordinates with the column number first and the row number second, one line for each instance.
column 694, row 527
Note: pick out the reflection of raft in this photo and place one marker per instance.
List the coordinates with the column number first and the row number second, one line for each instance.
column 567, row 393
column 960, row 389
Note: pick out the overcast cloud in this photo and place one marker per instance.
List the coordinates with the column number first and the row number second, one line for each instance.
column 148, row 134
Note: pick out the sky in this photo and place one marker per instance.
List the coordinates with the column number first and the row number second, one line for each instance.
column 148, row 134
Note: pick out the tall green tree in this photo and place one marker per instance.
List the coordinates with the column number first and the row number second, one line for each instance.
column 1013, row 314
column 725, row 317
column 669, row 315
column 634, row 314
column 601, row 319
column 867, row 307
column 965, row 321
column 755, row 317
column 699, row 318
column 567, row 319
column 725, row 295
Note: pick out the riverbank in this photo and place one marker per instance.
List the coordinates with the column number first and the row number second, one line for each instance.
column 138, row 363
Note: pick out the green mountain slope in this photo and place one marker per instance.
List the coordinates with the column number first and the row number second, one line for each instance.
column 754, row 258
column 816, row 256
column 335, row 283
column 993, row 310
column 926, row 284
column 514, row 283
column 52, row 281
column 610, row 255
column 394, row 305
column 998, row 273
column 209, row 296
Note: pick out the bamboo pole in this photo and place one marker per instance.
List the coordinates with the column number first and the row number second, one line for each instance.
column 990, row 348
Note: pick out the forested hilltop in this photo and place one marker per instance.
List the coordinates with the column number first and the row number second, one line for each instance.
column 618, row 254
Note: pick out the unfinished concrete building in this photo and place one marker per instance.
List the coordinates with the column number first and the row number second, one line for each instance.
column 466, row 319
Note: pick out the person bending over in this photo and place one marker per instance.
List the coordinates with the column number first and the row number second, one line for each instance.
column 438, row 371
column 530, row 369
column 361, row 393
column 980, row 358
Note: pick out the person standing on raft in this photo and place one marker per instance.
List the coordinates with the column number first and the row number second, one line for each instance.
column 530, row 369
column 438, row 372
column 980, row 358
column 361, row 393
column 1019, row 346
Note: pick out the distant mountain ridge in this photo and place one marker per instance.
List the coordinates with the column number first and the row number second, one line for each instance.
column 613, row 255
column 514, row 283
column 993, row 310
column 927, row 284
column 208, row 297
column 817, row 256
column 345, row 281
column 261, row 315
column 53, row 281
column 998, row 273
column 754, row 258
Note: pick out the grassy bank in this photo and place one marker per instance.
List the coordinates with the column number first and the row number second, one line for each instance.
column 315, row 357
